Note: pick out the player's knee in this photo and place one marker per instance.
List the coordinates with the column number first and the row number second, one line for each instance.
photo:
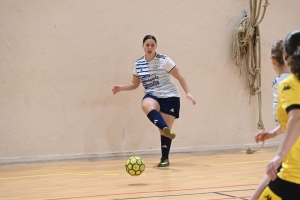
column 147, row 106
column 144, row 105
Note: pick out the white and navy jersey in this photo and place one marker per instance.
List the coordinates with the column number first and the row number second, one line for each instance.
column 275, row 85
column 155, row 76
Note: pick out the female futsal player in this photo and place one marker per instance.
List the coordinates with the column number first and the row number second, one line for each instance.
column 286, row 183
column 283, row 72
column 161, row 102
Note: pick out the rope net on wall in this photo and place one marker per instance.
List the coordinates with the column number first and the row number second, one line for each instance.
column 246, row 46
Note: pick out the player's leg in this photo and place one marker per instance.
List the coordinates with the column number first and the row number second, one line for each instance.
column 151, row 108
column 165, row 141
column 169, row 108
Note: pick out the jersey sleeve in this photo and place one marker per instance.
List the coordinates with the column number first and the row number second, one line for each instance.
column 289, row 94
column 134, row 72
column 169, row 64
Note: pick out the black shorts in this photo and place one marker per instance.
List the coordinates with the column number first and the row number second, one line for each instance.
column 170, row 106
column 281, row 189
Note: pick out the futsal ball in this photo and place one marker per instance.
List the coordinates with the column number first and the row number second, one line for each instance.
column 135, row 166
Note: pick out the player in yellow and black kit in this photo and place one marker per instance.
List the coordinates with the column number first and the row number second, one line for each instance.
column 283, row 72
column 285, row 185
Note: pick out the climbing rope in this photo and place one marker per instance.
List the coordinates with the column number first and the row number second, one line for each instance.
column 247, row 47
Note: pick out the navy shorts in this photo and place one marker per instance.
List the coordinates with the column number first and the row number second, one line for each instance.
column 170, row 106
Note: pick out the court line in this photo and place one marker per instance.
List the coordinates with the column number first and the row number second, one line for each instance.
column 227, row 195
column 60, row 174
column 241, row 198
column 147, row 192
column 118, row 170
column 234, row 163
column 174, row 195
column 181, row 195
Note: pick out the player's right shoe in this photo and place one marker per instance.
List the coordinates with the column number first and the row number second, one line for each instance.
column 168, row 133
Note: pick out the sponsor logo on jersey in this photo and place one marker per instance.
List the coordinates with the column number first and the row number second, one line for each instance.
column 268, row 197
column 286, row 87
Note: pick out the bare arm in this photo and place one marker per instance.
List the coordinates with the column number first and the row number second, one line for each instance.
column 277, row 130
column 177, row 74
column 292, row 134
column 130, row 86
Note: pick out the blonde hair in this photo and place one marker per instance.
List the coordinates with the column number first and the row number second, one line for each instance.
column 277, row 51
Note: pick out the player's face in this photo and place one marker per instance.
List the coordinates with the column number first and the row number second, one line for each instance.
column 149, row 47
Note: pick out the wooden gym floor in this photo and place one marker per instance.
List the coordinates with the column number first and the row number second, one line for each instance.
column 225, row 176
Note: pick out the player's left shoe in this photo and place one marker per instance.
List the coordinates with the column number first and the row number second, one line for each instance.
column 164, row 162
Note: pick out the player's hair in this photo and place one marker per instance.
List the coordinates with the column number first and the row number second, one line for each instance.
column 292, row 48
column 277, row 51
column 147, row 37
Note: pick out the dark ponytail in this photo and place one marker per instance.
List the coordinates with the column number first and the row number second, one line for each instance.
column 292, row 48
column 147, row 37
column 295, row 62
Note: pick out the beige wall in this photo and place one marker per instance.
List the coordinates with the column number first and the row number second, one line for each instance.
column 59, row 59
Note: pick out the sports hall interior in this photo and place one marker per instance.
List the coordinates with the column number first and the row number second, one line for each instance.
column 65, row 136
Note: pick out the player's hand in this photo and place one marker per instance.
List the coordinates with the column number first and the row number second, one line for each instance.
column 191, row 98
column 264, row 135
column 116, row 88
column 273, row 166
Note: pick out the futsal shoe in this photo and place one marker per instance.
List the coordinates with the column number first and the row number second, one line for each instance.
column 164, row 162
column 168, row 133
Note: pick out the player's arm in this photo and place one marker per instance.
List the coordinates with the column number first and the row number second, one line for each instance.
column 264, row 135
column 130, row 86
column 292, row 134
column 177, row 74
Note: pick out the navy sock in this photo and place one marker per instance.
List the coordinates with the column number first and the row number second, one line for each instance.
column 156, row 118
column 165, row 146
